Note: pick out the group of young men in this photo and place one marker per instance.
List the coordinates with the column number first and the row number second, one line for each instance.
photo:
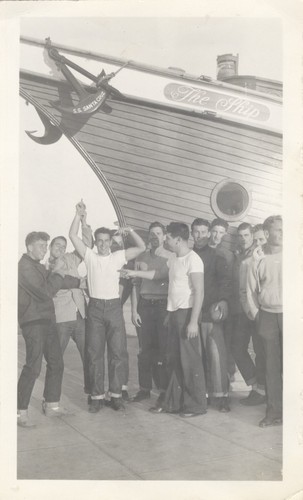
column 195, row 311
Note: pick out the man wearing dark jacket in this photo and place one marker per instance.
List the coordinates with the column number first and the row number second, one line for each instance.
column 36, row 316
column 217, row 290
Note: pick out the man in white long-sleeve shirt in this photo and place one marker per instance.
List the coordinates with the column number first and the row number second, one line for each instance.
column 264, row 299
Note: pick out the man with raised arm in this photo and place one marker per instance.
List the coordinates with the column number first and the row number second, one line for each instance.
column 70, row 305
column 105, row 323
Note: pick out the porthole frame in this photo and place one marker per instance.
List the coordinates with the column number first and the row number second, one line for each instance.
column 214, row 204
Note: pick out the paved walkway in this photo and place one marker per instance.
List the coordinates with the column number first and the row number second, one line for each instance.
column 137, row 445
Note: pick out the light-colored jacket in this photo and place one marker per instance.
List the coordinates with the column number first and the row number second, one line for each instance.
column 264, row 284
column 68, row 302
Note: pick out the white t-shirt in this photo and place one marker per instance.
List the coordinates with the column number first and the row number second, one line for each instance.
column 102, row 273
column 180, row 290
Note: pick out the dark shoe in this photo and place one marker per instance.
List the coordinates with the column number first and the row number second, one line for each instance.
column 142, row 394
column 96, row 405
column 253, row 399
column 125, row 395
column 117, row 404
column 270, row 421
column 223, row 406
column 187, row 414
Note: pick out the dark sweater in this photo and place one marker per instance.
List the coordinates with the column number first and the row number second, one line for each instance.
column 217, row 279
column 36, row 289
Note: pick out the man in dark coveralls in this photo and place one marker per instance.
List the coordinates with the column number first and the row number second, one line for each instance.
column 36, row 315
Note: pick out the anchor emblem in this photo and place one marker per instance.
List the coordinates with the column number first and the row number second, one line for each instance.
column 88, row 102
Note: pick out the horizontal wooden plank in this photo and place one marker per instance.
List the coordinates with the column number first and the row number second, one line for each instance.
column 199, row 163
column 201, row 130
column 158, row 174
column 172, row 116
column 180, row 143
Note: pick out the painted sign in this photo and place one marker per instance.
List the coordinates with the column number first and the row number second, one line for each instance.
column 217, row 102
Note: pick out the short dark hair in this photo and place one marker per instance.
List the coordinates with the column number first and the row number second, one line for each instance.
column 103, row 230
column 219, row 222
column 36, row 236
column 200, row 222
column 257, row 227
column 178, row 229
column 157, row 224
column 245, row 225
column 58, row 238
column 270, row 221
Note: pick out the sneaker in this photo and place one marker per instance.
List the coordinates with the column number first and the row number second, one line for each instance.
column 270, row 421
column 23, row 420
column 54, row 410
column 223, row 405
column 140, row 396
column 117, row 404
column 125, row 395
column 253, row 399
column 96, row 405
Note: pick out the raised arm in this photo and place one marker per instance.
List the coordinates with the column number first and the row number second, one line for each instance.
column 133, row 252
column 78, row 244
column 197, row 280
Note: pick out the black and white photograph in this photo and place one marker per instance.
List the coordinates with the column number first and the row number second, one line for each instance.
column 152, row 194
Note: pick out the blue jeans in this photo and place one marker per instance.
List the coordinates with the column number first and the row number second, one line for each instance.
column 105, row 325
column 152, row 355
column 76, row 331
column 186, row 382
column 41, row 339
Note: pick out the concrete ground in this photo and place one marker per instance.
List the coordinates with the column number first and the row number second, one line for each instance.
column 135, row 444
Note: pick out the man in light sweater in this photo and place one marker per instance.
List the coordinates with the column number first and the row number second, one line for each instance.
column 70, row 305
column 264, row 299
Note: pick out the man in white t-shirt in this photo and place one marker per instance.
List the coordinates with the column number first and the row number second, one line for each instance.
column 186, row 393
column 105, row 323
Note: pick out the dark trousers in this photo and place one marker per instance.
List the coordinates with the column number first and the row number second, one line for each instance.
column 244, row 330
column 215, row 359
column 41, row 339
column 270, row 329
column 105, row 325
column 228, row 326
column 186, row 386
column 152, row 354
column 75, row 330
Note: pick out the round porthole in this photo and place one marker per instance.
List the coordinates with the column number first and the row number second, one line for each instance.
column 230, row 200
